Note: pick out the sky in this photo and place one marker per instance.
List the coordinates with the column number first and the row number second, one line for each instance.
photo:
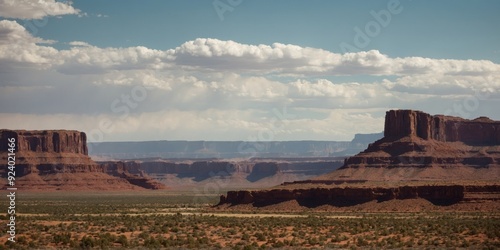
column 130, row 70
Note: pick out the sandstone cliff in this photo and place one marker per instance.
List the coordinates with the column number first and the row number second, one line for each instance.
column 417, row 148
column 46, row 141
column 480, row 131
column 58, row 160
column 348, row 196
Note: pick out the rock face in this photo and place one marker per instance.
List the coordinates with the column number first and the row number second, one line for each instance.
column 47, row 141
column 480, row 131
column 58, row 160
column 418, row 146
column 346, row 196
column 141, row 179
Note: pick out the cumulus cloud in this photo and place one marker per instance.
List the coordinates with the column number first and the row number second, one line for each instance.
column 212, row 55
column 79, row 44
column 94, row 60
column 214, row 89
column 18, row 46
column 29, row 9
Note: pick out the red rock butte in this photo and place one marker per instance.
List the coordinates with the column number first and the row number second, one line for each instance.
column 418, row 146
column 58, row 160
column 480, row 131
column 47, row 141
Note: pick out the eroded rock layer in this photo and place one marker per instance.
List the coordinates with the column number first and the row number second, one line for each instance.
column 480, row 131
column 46, row 141
column 58, row 160
column 417, row 146
column 417, row 149
column 345, row 196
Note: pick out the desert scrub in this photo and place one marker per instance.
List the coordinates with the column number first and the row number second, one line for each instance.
column 128, row 222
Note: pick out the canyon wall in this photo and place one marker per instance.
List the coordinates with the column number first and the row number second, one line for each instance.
column 253, row 170
column 480, row 131
column 348, row 196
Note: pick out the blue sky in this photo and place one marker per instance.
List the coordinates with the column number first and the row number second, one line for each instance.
column 436, row 29
column 251, row 70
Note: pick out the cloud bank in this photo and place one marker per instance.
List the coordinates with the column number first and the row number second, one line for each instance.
column 224, row 90
column 30, row 9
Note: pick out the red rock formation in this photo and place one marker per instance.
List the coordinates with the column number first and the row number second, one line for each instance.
column 46, row 141
column 58, row 160
column 438, row 194
column 480, row 131
column 416, row 147
column 119, row 169
column 348, row 196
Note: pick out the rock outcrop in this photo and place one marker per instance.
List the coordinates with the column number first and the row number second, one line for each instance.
column 417, row 148
column 480, row 131
column 141, row 179
column 46, row 141
column 347, row 196
column 58, row 160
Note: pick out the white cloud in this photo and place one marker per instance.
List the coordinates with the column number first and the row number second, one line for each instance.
column 94, row 60
column 18, row 46
column 31, row 9
column 80, row 44
column 213, row 89
column 212, row 55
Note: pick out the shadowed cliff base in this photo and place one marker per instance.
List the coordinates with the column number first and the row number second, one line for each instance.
column 446, row 161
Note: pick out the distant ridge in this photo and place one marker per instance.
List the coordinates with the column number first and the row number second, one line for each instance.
column 230, row 149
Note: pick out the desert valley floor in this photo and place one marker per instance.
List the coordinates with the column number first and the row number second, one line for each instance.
column 160, row 219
